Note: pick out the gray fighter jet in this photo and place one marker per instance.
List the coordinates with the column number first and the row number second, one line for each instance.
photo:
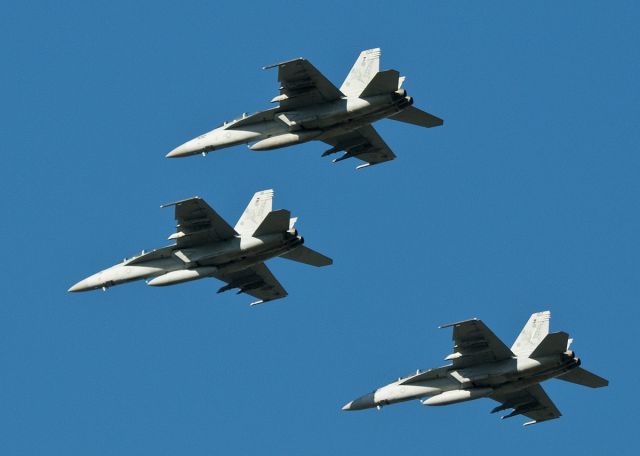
column 206, row 246
column 312, row 108
column 484, row 367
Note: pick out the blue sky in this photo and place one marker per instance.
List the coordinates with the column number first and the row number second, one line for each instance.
column 525, row 200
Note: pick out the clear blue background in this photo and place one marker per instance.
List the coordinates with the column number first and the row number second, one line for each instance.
column 525, row 200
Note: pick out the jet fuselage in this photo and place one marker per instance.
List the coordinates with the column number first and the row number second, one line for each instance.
column 275, row 128
column 448, row 385
column 173, row 264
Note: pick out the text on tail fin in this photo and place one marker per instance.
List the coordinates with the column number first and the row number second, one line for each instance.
column 257, row 209
column 532, row 334
column 363, row 70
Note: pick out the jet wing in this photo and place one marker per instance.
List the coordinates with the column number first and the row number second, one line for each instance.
column 301, row 84
column 364, row 144
column 197, row 223
column 474, row 343
column 257, row 281
column 532, row 402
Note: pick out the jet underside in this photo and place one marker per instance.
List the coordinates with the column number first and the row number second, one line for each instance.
column 312, row 108
column 207, row 246
column 482, row 366
column 288, row 128
column 224, row 257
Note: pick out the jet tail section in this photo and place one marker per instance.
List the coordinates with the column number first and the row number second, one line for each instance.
column 306, row 255
column 382, row 83
column 363, row 70
column 256, row 211
column 274, row 222
column 532, row 334
column 584, row 377
column 552, row 344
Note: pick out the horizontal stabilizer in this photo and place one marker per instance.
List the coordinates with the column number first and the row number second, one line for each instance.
column 274, row 222
column 382, row 83
column 584, row 377
column 552, row 344
column 418, row 117
column 306, row 255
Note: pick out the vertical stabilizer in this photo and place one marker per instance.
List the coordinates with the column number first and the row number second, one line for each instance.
column 257, row 209
column 274, row 223
column 362, row 72
column 552, row 344
column 382, row 83
column 532, row 334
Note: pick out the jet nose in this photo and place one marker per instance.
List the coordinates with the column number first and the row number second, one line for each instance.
column 189, row 148
column 90, row 283
column 179, row 151
column 80, row 286
column 364, row 402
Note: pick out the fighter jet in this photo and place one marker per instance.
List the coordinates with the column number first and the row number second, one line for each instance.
column 206, row 246
column 312, row 108
column 483, row 366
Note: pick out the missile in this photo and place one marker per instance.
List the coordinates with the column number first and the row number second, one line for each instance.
column 246, row 284
column 228, row 287
column 182, row 275
column 511, row 405
column 251, row 286
column 286, row 139
column 333, row 150
column 342, row 157
column 520, row 411
column 354, row 152
column 455, row 396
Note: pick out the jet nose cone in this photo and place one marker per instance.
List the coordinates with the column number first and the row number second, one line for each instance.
column 364, row 402
column 347, row 406
column 179, row 151
column 90, row 283
column 80, row 286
